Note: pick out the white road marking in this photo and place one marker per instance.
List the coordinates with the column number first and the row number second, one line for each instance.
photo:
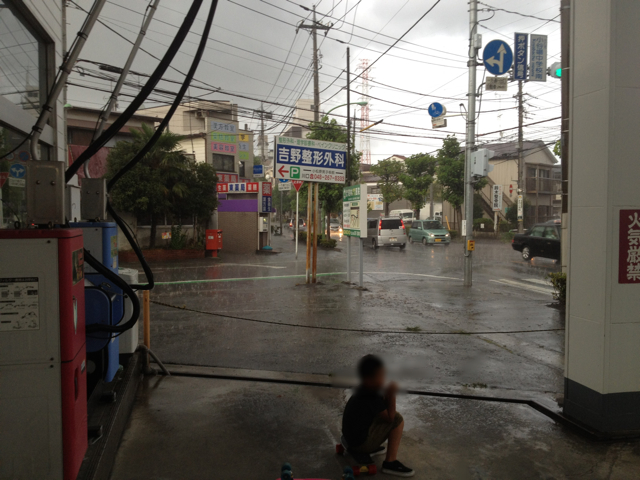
column 524, row 286
column 537, row 280
column 412, row 274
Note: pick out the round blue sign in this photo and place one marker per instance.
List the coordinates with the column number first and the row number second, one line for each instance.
column 24, row 155
column 497, row 57
column 283, row 180
column 436, row 109
column 17, row 171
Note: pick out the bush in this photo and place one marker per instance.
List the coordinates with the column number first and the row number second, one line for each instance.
column 302, row 237
column 559, row 284
column 453, row 233
column 506, row 237
column 487, row 222
column 178, row 238
column 328, row 243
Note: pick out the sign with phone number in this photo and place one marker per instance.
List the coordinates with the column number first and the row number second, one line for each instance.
column 310, row 160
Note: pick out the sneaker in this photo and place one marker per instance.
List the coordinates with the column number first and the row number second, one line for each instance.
column 381, row 450
column 397, row 468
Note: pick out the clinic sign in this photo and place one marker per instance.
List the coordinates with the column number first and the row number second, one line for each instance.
column 354, row 211
column 310, row 160
column 496, row 198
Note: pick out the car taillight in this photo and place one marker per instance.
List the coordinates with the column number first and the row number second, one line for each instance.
column 513, row 240
column 380, row 225
column 402, row 223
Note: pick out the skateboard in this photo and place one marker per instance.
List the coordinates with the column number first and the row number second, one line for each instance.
column 286, row 473
column 349, row 473
column 364, row 464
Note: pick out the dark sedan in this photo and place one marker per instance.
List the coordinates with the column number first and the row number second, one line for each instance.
column 543, row 240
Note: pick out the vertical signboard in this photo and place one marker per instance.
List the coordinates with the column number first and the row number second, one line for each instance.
column 520, row 207
column 538, row 71
column 265, row 197
column 496, row 198
column 629, row 247
column 520, row 56
column 354, row 211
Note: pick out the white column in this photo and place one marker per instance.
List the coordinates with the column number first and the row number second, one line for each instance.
column 602, row 366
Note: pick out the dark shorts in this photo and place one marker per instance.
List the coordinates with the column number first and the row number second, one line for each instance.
column 378, row 432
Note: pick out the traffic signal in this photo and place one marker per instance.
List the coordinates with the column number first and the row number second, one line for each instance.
column 555, row 70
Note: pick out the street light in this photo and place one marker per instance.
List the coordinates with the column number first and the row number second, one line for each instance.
column 362, row 104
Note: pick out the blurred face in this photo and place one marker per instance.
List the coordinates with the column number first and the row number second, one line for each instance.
column 375, row 381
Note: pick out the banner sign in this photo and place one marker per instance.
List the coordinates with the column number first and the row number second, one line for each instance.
column 496, row 198
column 243, row 137
column 374, row 201
column 223, row 137
column 228, row 148
column 310, row 160
column 223, row 127
column 538, row 71
column 243, row 146
column 520, row 56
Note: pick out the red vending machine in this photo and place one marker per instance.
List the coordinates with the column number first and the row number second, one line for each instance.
column 43, row 395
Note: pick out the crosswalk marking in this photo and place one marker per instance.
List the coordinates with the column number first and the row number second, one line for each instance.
column 524, row 286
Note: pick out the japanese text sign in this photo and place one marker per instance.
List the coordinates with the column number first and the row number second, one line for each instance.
column 218, row 147
column 354, row 211
column 496, row 198
column 310, row 160
column 222, row 137
column 629, row 254
column 538, row 71
column 520, row 56
column 266, row 188
column 223, row 127
column 266, row 204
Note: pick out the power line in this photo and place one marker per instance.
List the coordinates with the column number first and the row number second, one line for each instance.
column 496, row 9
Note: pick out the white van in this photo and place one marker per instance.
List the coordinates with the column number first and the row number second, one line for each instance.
column 405, row 214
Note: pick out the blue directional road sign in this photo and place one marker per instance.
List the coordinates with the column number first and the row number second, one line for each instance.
column 283, row 180
column 436, row 110
column 17, row 171
column 497, row 57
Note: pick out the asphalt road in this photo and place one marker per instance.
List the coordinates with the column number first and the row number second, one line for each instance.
column 416, row 293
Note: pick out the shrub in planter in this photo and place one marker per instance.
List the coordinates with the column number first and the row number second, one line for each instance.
column 506, row 237
column 453, row 233
column 559, row 284
column 178, row 238
column 483, row 225
column 328, row 243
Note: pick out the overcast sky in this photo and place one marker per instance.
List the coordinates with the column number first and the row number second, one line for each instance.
column 247, row 48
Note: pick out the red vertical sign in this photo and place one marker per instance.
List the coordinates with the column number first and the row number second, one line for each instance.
column 629, row 254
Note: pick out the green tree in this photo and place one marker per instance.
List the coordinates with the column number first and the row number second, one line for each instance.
column 450, row 172
column 330, row 194
column 417, row 178
column 165, row 182
column 557, row 148
column 390, row 173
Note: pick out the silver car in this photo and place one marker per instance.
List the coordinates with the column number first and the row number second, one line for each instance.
column 386, row 232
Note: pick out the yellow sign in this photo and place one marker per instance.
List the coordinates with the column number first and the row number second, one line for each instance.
column 471, row 245
column 243, row 137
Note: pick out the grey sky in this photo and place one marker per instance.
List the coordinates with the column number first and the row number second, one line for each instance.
column 431, row 61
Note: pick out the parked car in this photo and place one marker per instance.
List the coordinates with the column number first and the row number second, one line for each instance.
column 386, row 232
column 542, row 240
column 429, row 231
column 335, row 225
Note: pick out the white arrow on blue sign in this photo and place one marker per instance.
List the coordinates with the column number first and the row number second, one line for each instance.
column 283, row 180
column 17, row 171
column 436, row 110
column 497, row 57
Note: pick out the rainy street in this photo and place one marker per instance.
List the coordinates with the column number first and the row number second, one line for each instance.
column 417, row 294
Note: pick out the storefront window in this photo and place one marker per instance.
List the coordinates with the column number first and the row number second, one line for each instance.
column 22, row 61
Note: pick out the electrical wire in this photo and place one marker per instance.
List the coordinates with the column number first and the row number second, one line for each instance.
column 517, row 13
column 354, row 330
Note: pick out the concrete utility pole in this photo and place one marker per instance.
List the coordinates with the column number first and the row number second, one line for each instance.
column 470, row 142
column 521, row 186
column 313, row 28
column 348, row 154
column 565, row 42
column 262, row 158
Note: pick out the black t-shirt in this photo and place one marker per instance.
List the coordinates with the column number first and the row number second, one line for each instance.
column 361, row 409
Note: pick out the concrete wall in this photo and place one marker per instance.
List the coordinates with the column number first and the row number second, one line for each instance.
column 239, row 231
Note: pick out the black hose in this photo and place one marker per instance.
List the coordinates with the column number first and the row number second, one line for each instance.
column 126, row 288
column 176, row 103
column 136, row 249
column 137, row 102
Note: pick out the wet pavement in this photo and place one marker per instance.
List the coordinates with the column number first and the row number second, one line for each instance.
column 435, row 335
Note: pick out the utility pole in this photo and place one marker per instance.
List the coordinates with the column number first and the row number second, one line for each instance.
column 348, row 155
column 470, row 142
column 565, row 40
column 521, row 185
column 313, row 28
column 313, row 214
column 262, row 158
